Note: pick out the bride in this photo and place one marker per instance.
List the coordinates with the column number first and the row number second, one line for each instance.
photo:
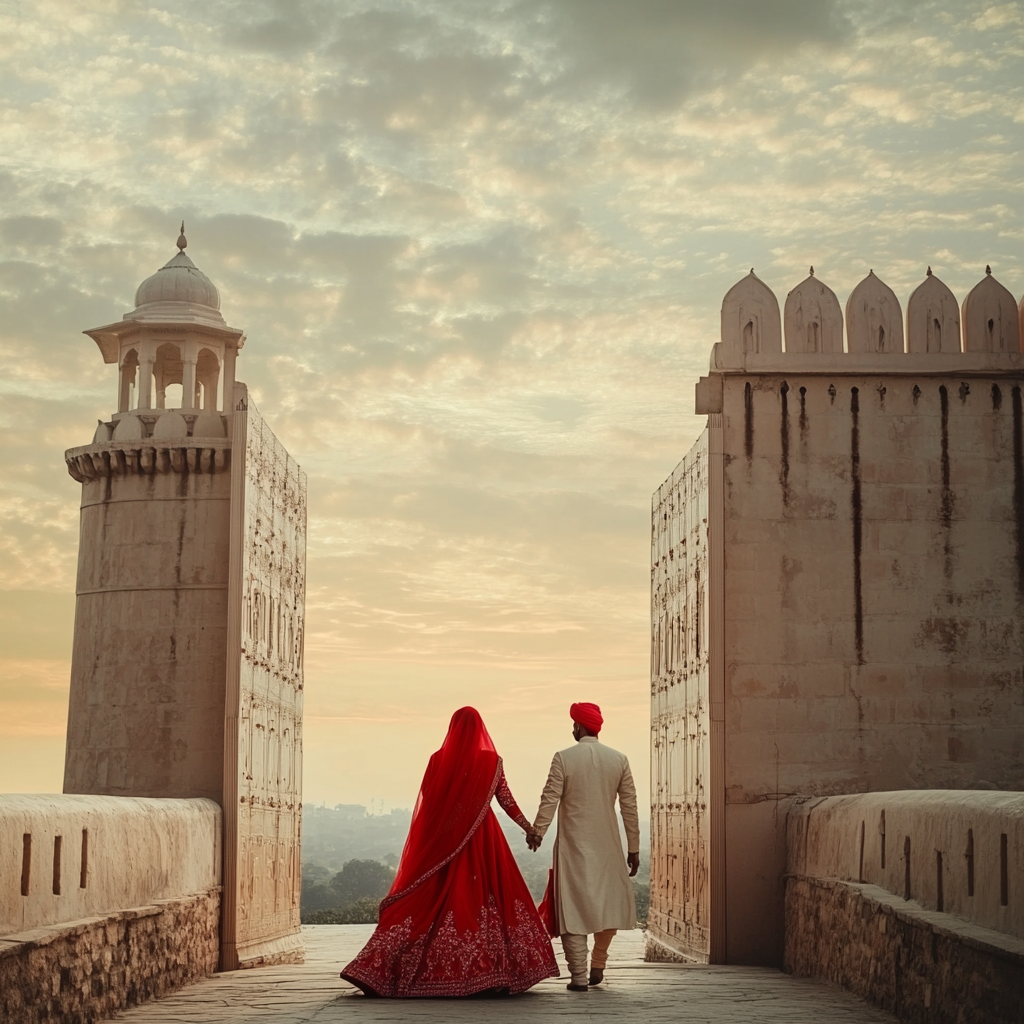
column 459, row 919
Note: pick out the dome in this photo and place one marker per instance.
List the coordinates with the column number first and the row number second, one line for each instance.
column 178, row 280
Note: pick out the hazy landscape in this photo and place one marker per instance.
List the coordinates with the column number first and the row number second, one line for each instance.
column 349, row 857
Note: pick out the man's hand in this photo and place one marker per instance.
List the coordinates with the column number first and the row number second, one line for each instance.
column 633, row 863
column 533, row 840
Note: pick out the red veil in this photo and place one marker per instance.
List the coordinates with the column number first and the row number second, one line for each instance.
column 459, row 918
column 454, row 798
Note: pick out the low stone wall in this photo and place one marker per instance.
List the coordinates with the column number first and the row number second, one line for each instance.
column 104, row 902
column 912, row 899
column 86, row 970
column 958, row 851
column 921, row 965
column 64, row 858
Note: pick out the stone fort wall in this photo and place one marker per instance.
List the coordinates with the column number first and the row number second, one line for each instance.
column 912, row 900
column 104, row 902
column 862, row 629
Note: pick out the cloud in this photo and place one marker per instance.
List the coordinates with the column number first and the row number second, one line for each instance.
column 663, row 50
column 478, row 250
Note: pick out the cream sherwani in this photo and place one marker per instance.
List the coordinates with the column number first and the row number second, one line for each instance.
column 592, row 891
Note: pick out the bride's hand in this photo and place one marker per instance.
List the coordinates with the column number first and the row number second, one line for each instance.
column 533, row 840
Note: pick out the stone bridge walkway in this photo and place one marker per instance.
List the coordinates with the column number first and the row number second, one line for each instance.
column 633, row 992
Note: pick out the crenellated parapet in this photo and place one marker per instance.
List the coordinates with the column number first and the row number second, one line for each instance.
column 936, row 336
column 129, row 458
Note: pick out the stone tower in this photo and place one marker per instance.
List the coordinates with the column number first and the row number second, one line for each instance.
column 186, row 676
column 837, row 586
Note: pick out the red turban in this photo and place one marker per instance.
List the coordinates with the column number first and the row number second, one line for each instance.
column 587, row 715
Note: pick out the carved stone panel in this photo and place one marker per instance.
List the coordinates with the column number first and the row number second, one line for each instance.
column 263, row 738
column 679, row 915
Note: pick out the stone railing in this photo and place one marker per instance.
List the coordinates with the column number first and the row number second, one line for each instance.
column 104, row 902
column 912, row 899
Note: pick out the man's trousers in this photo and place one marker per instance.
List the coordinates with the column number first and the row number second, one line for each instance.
column 575, row 949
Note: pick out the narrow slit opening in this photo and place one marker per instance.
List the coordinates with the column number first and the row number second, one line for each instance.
column 84, row 876
column 970, row 862
column 939, row 896
column 1004, row 873
column 860, row 870
column 26, row 862
column 906, row 868
column 58, row 842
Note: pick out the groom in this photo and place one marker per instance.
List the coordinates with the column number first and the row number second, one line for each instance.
column 592, row 894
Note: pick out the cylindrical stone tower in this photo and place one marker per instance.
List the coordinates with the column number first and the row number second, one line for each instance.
column 146, row 714
column 186, row 674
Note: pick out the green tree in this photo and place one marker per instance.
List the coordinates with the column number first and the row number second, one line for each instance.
column 360, row 879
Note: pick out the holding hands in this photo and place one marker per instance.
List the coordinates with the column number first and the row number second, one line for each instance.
column 533, row 839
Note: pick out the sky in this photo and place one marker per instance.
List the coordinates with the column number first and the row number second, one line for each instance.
column 479, row 251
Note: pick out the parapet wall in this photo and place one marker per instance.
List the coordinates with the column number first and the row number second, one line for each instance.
column 957, row 851
column 913, row 900
column 65, row 858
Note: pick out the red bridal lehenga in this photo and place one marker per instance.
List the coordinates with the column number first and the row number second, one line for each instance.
column 459, row 919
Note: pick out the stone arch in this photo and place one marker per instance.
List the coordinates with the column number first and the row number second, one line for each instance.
column 933, row 318
column 814, row 321
column 991, row 319
column 168, row 368
column 750, row 319
column 874, row 319
column 207, row 378
column 128, row 379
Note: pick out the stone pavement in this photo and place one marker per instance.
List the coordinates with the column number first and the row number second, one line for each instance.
column 633, row 992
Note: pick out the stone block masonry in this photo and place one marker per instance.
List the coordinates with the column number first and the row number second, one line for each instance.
column 837, row 595
column 923, row 966
column 86, row 970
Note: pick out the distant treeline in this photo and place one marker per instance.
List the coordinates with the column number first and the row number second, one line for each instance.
column 349, row 857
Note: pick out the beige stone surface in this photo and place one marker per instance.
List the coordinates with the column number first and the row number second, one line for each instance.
column 634, row 992
column 871, row 571
column 135, row 851
column 926, row 967
column 953, row 851
column 86, row 970
column 263, row 701
column 187, row 665
column 146, row 712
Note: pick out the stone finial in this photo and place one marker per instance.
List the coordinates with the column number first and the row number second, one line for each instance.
column 813, row 319
column 750, row 321
column 874, row 320
column 182, row 241
column 990, row 318
column 933, row 318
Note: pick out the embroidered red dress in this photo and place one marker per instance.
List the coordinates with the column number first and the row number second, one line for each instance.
column 459, row 918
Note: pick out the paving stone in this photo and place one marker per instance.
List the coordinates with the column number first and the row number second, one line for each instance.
column 634, row 991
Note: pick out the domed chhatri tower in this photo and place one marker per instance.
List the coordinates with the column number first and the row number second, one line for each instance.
column 186, row 676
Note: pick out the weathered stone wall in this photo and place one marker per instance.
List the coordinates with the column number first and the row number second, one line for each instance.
column 678, row 919
column 146, row 713
column 923, row 966
column 874, row 581
column 961, row 852
column 64, row 858
column 263, row 703
column 89, row 969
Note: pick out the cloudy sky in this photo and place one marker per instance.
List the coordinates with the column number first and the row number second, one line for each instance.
column 479, row 250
